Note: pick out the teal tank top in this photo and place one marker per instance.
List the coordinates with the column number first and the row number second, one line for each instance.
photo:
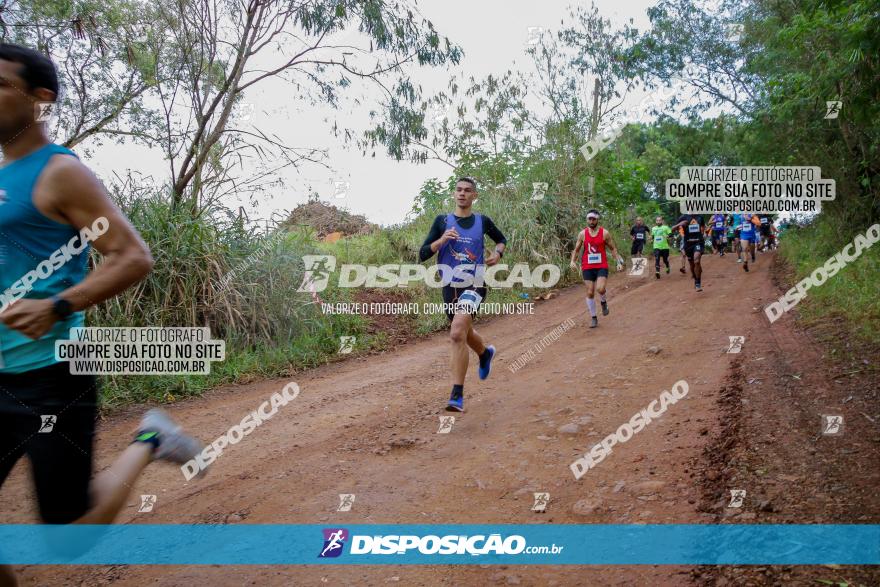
column 27, row 239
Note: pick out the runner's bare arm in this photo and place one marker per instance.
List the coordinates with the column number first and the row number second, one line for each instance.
column 609, row 240
column 496, row 256
column 80, row 199
column 577, row 249
column 68, row 192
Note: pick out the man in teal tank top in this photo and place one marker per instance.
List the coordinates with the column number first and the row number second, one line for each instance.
column 52, row 210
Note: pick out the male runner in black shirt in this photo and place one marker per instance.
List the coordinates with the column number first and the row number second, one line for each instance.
column 693, row 226
column 458, row 238
column 639, row 234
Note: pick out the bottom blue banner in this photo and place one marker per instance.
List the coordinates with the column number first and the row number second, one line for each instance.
column 530, row 544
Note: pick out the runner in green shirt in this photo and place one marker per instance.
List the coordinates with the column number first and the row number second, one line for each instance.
column 660, row 239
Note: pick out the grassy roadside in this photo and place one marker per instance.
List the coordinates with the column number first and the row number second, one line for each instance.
column 849, row 299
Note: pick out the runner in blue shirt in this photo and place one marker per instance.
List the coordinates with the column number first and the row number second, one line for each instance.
column 52, row 211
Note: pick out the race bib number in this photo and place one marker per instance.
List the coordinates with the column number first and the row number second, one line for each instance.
column 468, row 301
column 693, row 228
column 747, row 227
column 719, row 225
column 658, row 238
column 765, row 220
column 640, row 236
column 594, row 258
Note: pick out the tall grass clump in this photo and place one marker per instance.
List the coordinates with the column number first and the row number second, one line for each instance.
column 851, row 295
column 216, row 271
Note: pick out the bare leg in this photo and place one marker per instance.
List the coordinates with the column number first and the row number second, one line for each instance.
column 600, row 286
column 475, row 341
column 110, row 488
column 458, row 337
column 696, row 266
column 591, row 289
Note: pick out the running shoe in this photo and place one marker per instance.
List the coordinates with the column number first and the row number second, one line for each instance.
column 175, row 446
column 604, row 308
column 657, row 274
column 486, row 365
column 667, row 271
column 698, row 286
column 594, row 322
column 739, row 260
column 746, row 266
column 456, row 402
column 682, row 270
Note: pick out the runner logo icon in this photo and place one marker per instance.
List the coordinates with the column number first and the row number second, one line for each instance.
column 334, row 541
column 541, row 501
column 639, row 264
column 737, row 496
column 47, row 423
column 736, row 344
column 446, row 424
column 317, row 272
column 832, row 425
column 147, row 503
column 346, row 500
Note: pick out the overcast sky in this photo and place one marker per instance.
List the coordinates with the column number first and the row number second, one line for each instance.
column 493, row 34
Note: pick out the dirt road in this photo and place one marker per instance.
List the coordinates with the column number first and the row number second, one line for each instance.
column 368, row 426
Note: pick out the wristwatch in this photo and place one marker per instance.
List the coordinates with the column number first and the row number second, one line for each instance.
column 61, row 307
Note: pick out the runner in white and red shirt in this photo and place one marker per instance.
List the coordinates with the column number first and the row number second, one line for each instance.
column 594, row 262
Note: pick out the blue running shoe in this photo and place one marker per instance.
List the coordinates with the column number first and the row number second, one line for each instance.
column 456, row 402
column 486, row 366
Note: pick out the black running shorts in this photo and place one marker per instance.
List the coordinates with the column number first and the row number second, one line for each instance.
column 661, row 254
column 594, row 274
column 64, row 407
column 691, row 248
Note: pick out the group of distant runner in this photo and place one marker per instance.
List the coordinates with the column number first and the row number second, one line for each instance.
column 744, row 234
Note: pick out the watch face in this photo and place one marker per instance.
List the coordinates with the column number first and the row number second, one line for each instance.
column 62, row 308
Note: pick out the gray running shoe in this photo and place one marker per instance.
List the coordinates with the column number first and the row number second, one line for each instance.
column 175, row 446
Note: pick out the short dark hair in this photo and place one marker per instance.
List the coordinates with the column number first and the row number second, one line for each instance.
column 469, row 180
column 38, row 71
